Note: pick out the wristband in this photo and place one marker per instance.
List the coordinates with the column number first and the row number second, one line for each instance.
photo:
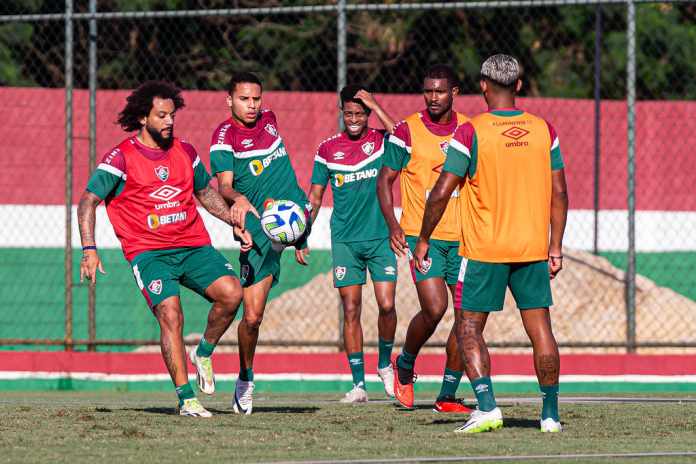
column 89, row 247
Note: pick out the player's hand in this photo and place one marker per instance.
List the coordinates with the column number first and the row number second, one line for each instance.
column 301, row 256
column 397, row 240
column 239, row 210
column 555, row 264
column 420, row 256
column 89, row 265
column 366, row 98
column 244, row 238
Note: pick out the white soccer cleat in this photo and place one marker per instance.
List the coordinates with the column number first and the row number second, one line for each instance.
column 387, row 376
column 356, row 395
column 482, row 421
column 205, row 378
column 549, row 425
column 243, row 397
column 193, row 408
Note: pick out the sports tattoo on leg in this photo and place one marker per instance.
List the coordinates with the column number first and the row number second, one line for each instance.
column 548, row 366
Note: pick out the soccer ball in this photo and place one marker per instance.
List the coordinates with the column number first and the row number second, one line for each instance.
column 283, row 221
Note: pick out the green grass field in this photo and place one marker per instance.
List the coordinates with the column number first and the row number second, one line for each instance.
column 141, row 427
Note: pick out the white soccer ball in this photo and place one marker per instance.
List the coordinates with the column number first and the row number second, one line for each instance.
column 283, row 222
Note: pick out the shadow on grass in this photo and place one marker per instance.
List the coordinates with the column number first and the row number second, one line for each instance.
column 223, row 412
column 508, row 422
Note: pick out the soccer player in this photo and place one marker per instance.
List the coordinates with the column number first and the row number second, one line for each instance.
column 515, row 187
column 249, row 158
column 416, row 150
column 350, row 161
column 149, row 182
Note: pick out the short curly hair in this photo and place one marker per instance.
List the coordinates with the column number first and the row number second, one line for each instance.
column 139, row 103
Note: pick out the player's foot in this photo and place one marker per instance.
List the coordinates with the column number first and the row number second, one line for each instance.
column 403, row 385
column 205, row 378
column 549, row 425
column 387, row 376
column 451, row 405
column 193, row 408
column 356, row 395
column 482, row 421
column 243, row 397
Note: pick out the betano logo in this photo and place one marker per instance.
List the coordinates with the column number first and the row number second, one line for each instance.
column 258, row 166
column 154, row 221
column 515, row 133
column 347, row 178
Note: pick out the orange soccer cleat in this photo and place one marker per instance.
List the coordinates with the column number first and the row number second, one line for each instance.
column 403, row 392
column 451, row 406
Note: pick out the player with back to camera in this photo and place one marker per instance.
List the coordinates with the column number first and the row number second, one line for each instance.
column 416, row 151
column 249, row 158
column 350, row 162
column 149, row 182
column 515, row 192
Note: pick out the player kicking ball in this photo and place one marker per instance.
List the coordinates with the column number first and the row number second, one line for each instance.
column 248, row 156
column 350, row 162
column 149, row 182
column 515, row 188
column 416, row 151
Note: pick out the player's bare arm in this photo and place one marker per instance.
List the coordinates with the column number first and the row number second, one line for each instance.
column 316, row 196
column 559, row 215
column 213, row 202
column 385, row 181
column 434, row 208
column 240, row 205
column 369, row 100
column 86, row 218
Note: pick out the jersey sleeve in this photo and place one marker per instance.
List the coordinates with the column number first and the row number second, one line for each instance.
column 110, row 172
column 221, row 152
column 201, row 178
column 397, row 150
column 556, row 156
column 459, row 150
column 320, row 172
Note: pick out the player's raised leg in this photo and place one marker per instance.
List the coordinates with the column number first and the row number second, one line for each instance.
column 385, row 294
column 171, row 321
column 255, row 297
column 351, row 298
column 226, row 293
column 547, row 364
column 432, row 295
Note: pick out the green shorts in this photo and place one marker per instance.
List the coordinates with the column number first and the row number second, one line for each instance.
column 445, row 260
column 482, row 286
column 158, row 273
column 350, row 260
column 262, row 260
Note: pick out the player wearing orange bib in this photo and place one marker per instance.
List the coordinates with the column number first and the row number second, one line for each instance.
column 515, row 188
column 416, row 151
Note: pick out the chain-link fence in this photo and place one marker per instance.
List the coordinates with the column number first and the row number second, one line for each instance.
column 614, row 78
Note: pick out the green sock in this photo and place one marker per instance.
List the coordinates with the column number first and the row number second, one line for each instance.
column 184, row 392
column 247, row 374
column 357, row 368
column 550, row 402
column 385, row 351
column 406, row 360
column 450, row 383
column 483, row 389
column 205, row 349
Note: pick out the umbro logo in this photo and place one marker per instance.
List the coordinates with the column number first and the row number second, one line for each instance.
column 166, row 192
column 246, row 143
column 481, row 388
column 339, row 155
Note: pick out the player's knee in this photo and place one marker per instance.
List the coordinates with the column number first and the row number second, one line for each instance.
column 253, row 320
column 231, row 299
column 386, row 308
column 170, row 318
column 351, row 312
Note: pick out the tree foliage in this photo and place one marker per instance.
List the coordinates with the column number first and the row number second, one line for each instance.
column 388, row 51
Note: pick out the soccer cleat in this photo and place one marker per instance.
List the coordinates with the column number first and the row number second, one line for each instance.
column 549, row 425
column 403, row 392
column 205, row 378
column 451, row 405
column 387, row 376
column 482, row 421
column 356, row 395
column 193, row 408
column 243, row 397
